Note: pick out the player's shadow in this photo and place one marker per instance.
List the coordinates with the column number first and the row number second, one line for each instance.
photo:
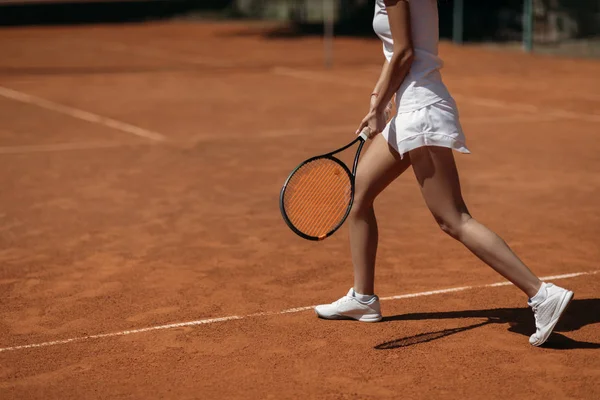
column 520, row 320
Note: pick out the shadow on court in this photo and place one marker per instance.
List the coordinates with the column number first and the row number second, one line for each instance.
column 520, row 320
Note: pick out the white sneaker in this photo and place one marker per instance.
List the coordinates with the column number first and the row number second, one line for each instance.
column 548, row 311
column 349, row 307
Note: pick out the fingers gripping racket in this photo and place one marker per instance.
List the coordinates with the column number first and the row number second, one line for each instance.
column 318, row 195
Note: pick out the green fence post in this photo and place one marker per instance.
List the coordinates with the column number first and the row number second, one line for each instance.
column 528, row 26
column 457, row 22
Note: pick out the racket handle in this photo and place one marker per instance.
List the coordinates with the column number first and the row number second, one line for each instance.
column 364, row 134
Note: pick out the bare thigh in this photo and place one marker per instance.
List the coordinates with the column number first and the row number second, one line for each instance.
column 379, row 167
column 437, row 175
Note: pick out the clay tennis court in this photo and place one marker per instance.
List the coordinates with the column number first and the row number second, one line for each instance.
column 143, row 254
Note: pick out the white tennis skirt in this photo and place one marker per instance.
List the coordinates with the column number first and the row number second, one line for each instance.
column 434, row 125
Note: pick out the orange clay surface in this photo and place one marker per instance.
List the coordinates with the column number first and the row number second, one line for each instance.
column 107, row 230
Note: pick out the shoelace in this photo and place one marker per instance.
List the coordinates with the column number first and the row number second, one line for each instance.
column 536, row 306
column 344, row 299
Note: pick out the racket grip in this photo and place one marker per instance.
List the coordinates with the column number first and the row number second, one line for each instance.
column 364, row 134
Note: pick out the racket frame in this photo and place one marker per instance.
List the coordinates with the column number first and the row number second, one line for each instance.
column 362, row 138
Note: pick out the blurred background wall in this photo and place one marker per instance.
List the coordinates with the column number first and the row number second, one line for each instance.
column 559, row 26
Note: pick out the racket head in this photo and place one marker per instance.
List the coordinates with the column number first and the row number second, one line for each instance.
column 317, row 197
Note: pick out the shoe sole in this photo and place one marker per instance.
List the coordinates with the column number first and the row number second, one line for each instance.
column 566, row 301
column 364, row 318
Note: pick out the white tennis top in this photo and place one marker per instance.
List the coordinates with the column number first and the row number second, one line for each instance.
column 423, row 84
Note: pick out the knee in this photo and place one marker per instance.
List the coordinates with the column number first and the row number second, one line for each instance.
column 361, row 204
column 363, row 199
column 454, row 225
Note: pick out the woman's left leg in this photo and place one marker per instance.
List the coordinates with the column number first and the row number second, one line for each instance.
column 436, row 172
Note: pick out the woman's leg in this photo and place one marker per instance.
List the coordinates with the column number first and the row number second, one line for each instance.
column 379, row 167
column 437, row 175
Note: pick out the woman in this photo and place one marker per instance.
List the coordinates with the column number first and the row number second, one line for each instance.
column 423, row 134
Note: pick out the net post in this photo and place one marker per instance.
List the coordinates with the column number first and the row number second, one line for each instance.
column 528, row 26
column 458, row 22
column 328, row 26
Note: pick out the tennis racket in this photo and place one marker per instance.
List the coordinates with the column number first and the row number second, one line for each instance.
column 317, row 196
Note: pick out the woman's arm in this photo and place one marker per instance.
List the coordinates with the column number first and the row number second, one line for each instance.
column 375, row 93
column 379, row 84
column 392, row 77
column 395, row 72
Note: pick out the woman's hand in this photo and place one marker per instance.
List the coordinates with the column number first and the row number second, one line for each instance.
column 375, row 121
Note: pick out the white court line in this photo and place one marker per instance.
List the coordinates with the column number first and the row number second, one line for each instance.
column 507, row 83
column 318, row 77
column 480, row 101
column 48, row 148
column 271, row 313
column 164, row 55
column 574, row 115
column 510, row 119
column 350, row 129
column 80, row 114
column 267, row 134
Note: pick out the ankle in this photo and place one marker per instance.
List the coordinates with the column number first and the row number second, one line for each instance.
column 536, row 294
column 363, row 294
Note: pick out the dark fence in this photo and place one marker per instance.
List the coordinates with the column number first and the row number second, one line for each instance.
column 559, row 26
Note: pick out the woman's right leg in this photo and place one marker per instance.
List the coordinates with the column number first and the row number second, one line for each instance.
column 379, row 167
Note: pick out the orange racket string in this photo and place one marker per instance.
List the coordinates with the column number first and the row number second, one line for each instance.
column 317, row 197
column 317, row 191
column 310, row 193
